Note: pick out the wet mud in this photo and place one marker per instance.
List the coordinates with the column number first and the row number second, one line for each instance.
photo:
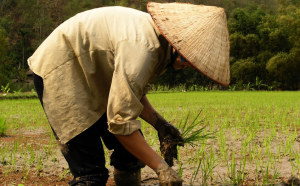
column 168, row 149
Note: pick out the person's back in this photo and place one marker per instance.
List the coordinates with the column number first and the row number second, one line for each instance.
column 80, row 58
column 91, row 34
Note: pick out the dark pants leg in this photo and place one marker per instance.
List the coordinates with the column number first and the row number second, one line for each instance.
column 85, row 154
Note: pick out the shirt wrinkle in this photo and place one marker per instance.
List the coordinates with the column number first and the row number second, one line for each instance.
column 90, row 67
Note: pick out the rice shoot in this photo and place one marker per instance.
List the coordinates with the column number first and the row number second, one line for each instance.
column 194, row 133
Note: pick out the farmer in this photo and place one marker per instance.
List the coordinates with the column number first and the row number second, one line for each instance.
column 91, row 75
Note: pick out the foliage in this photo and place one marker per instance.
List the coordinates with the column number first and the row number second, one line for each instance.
column 4, row 43
column 4, row 66
column 260, row 31
column 265, row 46
column 244, row 70
column 244, row 46
column 245, row 22
column 285, row 67
column 5, row 89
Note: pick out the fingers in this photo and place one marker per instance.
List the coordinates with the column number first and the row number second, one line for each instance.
column 174, row 132
column 167, row 176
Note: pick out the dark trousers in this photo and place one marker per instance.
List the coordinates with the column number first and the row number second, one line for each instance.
column 85, row 154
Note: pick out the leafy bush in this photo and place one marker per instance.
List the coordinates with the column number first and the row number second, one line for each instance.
column 3, row 79
column 244, row 46
column 285, row 67
column 244, row 71
column 5, row 89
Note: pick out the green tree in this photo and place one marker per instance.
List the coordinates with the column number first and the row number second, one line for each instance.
column 3, row 57
column 284, row 68
column 245, row 71
column 245, row 21
column 244, row 46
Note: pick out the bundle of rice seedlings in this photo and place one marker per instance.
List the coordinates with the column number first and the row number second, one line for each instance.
column 194, row 133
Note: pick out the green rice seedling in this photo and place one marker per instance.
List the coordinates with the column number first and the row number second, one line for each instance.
column 5, row 171
column 54, row 158
column 266, row 178
column 208, row 164
column 48, row 151
column 179, row 163
column 52, row 140
column 240, row 177
column 236, row 173
column 25, row 174
column 64, row 174
column 275, row 176
column 297, row 160
column 231, row 167
column 4, row 153
column 192, row 134
column 196, row 170
column 32, row 155
column 3, row 127
column 39, row 164
column 212, row 163
column 222, row 142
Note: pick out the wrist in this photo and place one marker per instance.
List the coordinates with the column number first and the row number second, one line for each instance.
column 160, row 123
column 162, row 166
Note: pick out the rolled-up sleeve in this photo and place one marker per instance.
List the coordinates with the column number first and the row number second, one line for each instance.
column 135, row 63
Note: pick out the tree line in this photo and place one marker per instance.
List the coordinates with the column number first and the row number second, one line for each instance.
column 264, row 39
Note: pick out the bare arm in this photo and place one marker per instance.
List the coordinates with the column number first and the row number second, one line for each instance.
column 136, row 145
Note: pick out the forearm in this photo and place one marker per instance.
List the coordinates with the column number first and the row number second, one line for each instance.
column 150, row 115
column 137, row 146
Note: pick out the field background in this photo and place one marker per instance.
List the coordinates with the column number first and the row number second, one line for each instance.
column 257, row 139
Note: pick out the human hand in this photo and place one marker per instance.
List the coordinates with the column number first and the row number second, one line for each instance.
column 167, row 176
column 169, row 137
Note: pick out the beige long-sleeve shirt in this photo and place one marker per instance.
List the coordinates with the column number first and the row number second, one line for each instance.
column 95, row 62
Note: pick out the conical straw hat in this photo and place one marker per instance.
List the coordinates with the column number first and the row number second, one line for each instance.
column 199, row 33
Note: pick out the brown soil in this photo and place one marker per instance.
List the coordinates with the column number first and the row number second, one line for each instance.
column 50, row 175
column 55, row 169
column 15, row 178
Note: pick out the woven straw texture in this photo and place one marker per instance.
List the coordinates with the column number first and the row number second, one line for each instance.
column 199, row 33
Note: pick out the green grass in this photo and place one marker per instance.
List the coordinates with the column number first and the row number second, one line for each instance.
column 3, row 127
column 23, row 113
column 254, row 134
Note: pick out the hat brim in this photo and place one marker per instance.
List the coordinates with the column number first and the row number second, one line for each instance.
column 199, row 33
